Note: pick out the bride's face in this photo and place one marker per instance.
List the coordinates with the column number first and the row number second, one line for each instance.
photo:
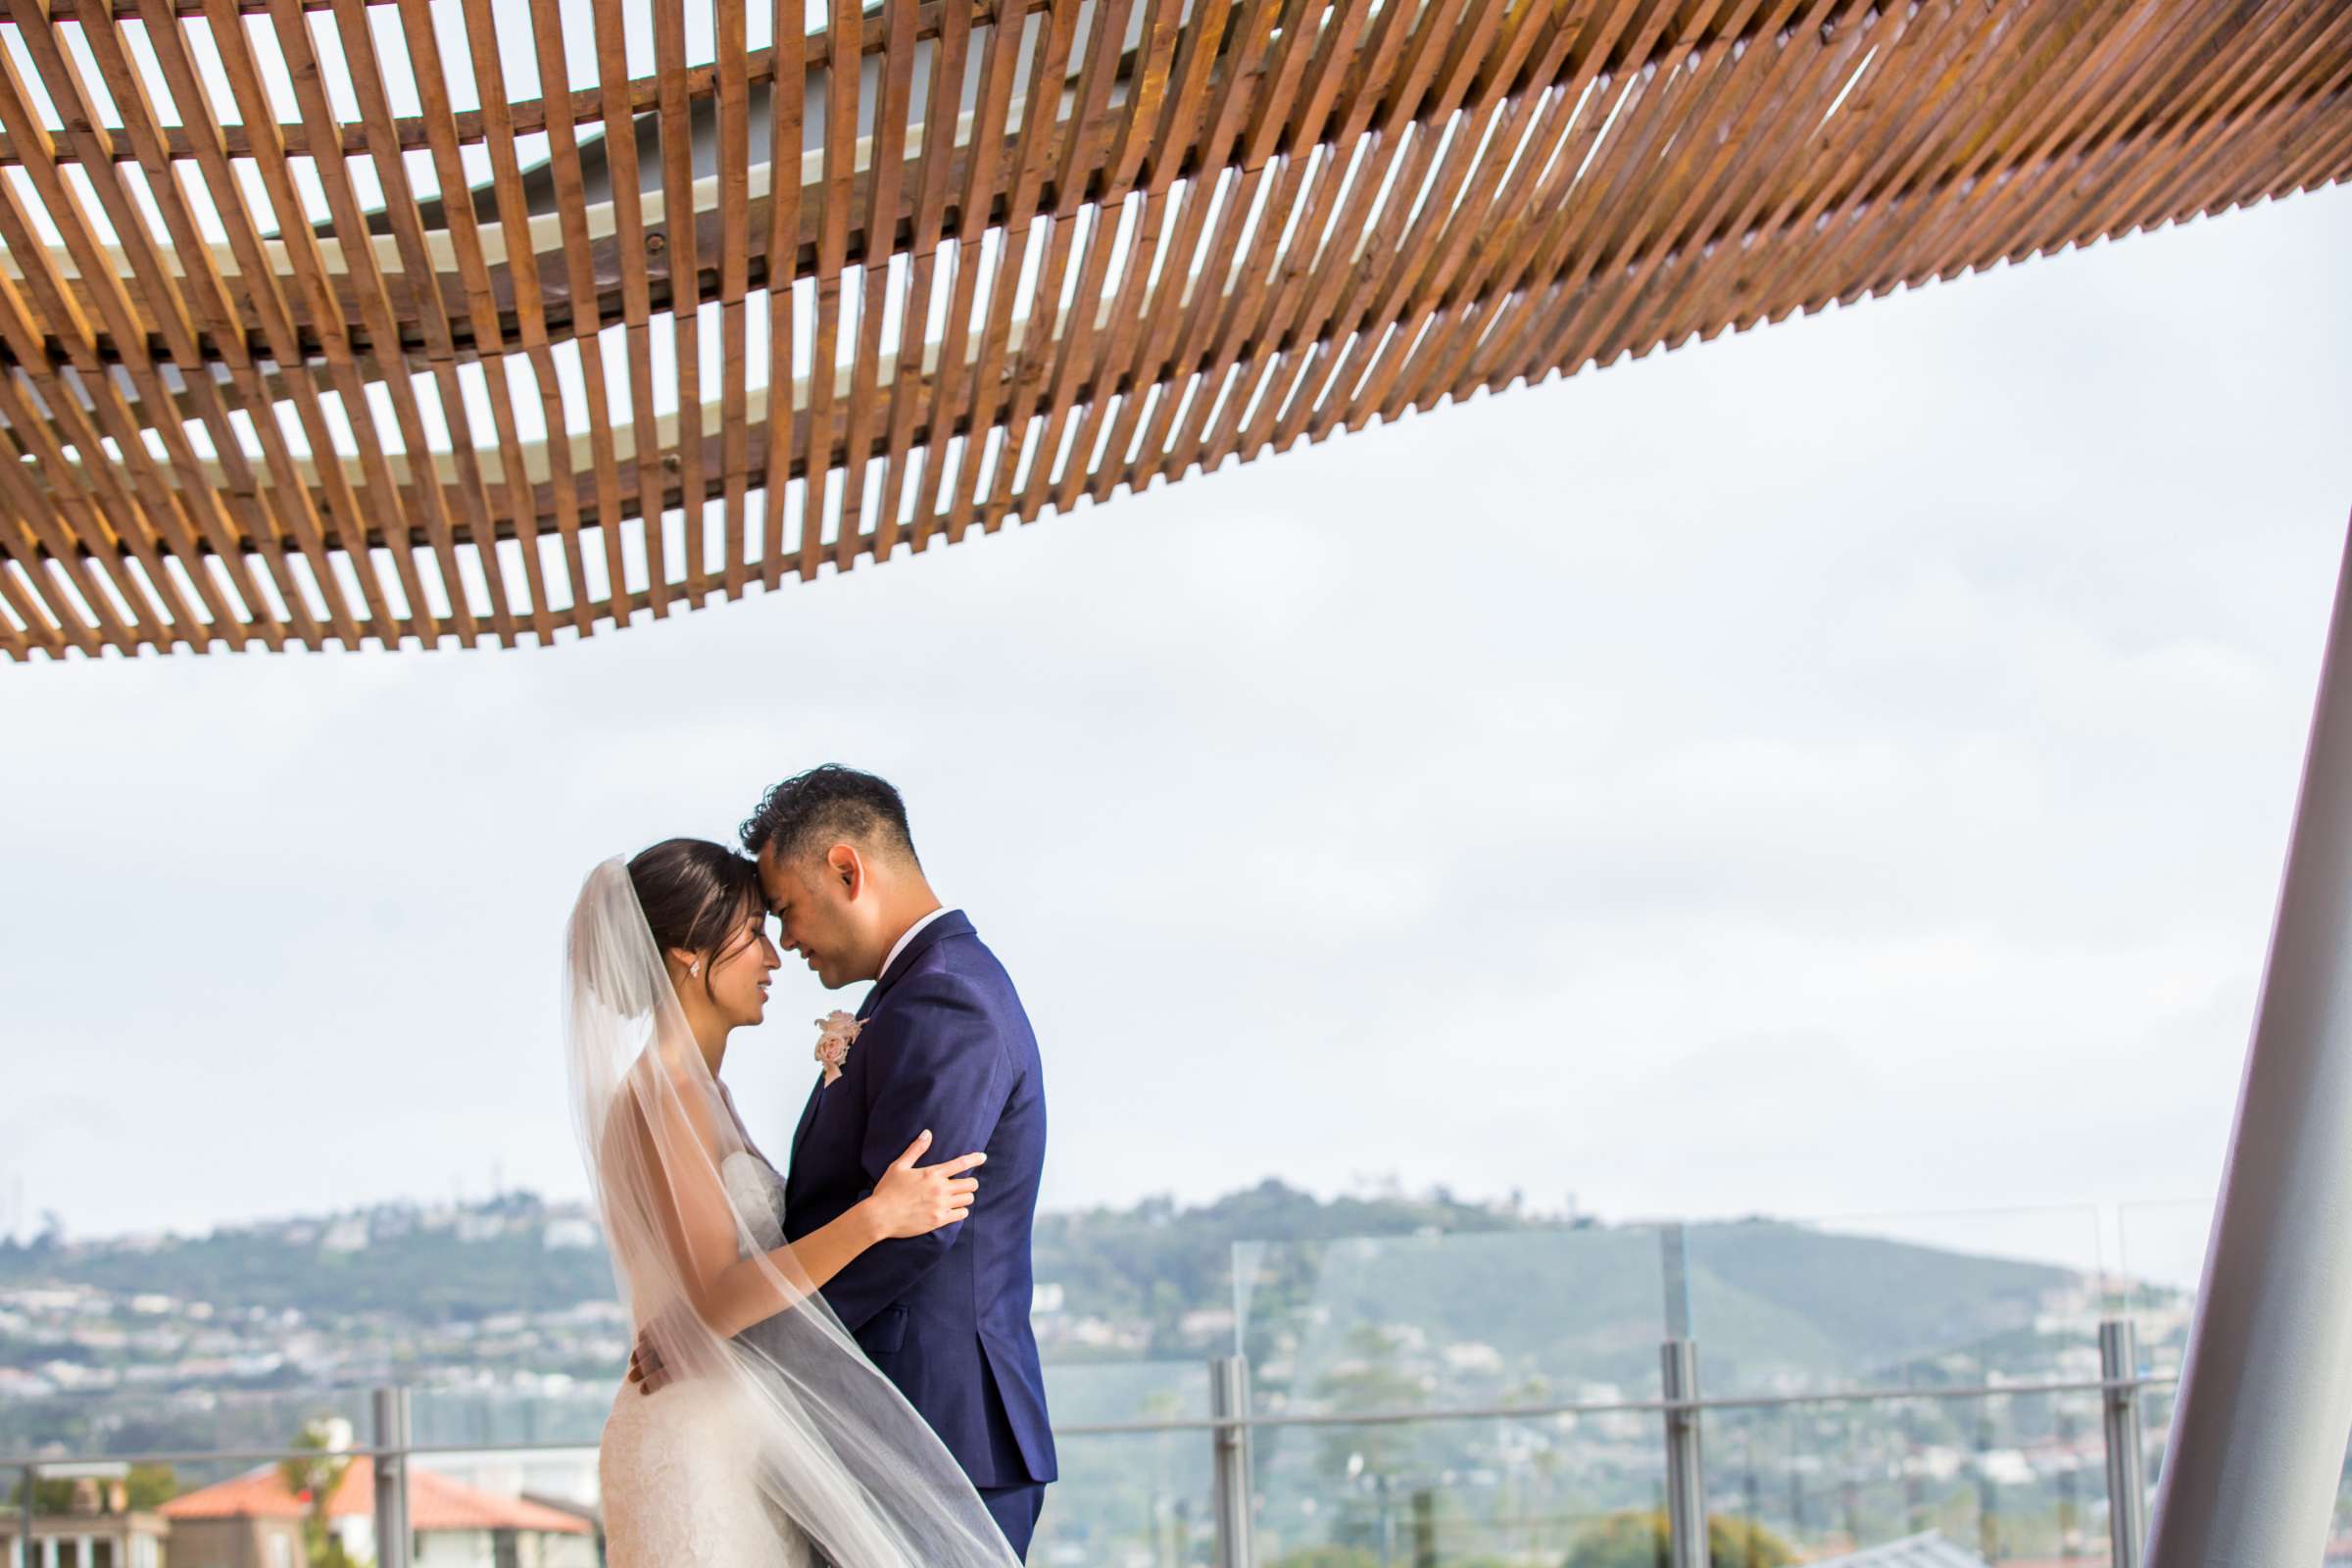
column 739, row 973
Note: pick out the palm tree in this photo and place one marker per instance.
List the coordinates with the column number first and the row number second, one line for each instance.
column 312, row 1475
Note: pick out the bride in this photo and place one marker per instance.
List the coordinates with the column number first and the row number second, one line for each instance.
column 773, row 1441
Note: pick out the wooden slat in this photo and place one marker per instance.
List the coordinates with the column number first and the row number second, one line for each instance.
column 42, row 540
column 531, row 330
column 1030, row 160
column 1042, row 349
column 176, row 520
column 528, row 116
column 1162, row 315
column 426, row 507
column 42, row 629
column 1210, row 236
column 262, row 293
column 563, row 163
column 344, row 376
column 1000, row 61
column 843, row 91
column 786, row 135
column 266, row 512
column 734, row 245
column 925, row 261
column 135, row 496
column 889, row 140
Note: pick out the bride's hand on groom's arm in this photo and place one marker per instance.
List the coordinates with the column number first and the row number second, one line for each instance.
column 915, row 1200
column 910, row 1199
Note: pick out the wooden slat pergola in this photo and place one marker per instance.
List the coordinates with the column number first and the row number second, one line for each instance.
column 339, row 320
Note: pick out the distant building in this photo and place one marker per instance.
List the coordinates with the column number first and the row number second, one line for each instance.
column 1474, row 1356
column 569, row 1233
column 18, row 1384
column 99, row 1527
column 1206, row 1323
column 254, row 1522
column 217, row 1527
column 346, row 1235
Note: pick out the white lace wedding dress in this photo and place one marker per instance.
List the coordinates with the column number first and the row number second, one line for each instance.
column 677, row 1466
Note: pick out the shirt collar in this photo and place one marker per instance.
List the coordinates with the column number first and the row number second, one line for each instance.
column 907, row 936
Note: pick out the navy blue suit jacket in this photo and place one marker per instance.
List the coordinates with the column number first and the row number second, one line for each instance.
column 946, row 1317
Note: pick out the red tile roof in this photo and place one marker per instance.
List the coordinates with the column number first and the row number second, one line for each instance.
column 256, row 1495
column 435, row 1503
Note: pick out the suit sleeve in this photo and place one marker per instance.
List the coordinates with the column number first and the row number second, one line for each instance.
column 935, row 1062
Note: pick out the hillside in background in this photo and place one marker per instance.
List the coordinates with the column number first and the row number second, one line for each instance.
column 505, row 1310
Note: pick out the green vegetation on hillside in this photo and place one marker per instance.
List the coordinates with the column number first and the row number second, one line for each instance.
column 1637, row 1540
column 419, row 1273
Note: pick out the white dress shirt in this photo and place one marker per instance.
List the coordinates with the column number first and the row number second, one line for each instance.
column 906, row 937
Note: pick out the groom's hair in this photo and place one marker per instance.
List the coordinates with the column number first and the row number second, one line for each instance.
column 826, row 805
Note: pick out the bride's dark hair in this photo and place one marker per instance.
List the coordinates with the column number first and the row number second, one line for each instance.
column 695, row 895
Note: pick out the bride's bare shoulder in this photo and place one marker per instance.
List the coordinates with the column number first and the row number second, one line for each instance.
column 656, row 1085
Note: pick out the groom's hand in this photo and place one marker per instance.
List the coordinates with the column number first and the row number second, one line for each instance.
column 645, row 1365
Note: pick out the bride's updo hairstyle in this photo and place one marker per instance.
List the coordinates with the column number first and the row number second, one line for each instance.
column 695, row 895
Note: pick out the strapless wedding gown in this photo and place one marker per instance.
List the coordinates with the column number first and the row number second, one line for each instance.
column 677, row 1466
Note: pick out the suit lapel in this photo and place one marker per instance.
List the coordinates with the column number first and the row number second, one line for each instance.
column 800, row 1134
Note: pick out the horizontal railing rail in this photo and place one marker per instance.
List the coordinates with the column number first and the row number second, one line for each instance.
column 1385, row 1416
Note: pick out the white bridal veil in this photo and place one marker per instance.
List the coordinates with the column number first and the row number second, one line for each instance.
column 831, row 1445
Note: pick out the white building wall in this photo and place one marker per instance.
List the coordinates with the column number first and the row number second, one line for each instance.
column 457, row 1548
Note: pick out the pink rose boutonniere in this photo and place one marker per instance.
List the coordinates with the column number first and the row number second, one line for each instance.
column 836, row 1032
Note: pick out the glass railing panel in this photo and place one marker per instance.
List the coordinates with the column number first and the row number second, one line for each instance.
column 551, row 1411
column 1523, row 1320
column 538, row 1437
column 1482, row 1492
column 1450, row 1321
column 1137, row 1498
column 1135, row 1501
column 2162, row 1254
column 1090, row 1392
column 232, row 1421
column 2340, row 1531
column 2162, row 1247
column 2156, row 1405
column 1896, row 1301
column 2009, row 1478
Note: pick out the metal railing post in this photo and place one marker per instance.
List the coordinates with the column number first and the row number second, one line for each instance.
column 1229, row 1403
column 2126, row 1481
column 33, row 1482
column 391, row 1463
column 1686, row 1476
column 1988, row 1490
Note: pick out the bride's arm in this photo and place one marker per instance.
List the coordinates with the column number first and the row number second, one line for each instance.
column 729, row 1293
column 913, row 1204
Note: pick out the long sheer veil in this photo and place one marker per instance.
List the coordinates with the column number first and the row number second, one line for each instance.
column 830, row 1444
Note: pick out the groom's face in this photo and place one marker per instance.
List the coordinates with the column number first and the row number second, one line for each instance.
column 825, row 920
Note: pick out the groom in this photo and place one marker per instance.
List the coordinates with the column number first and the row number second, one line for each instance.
column 947, row 1047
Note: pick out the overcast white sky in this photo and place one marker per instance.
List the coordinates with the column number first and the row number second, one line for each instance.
column 1840, row 768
